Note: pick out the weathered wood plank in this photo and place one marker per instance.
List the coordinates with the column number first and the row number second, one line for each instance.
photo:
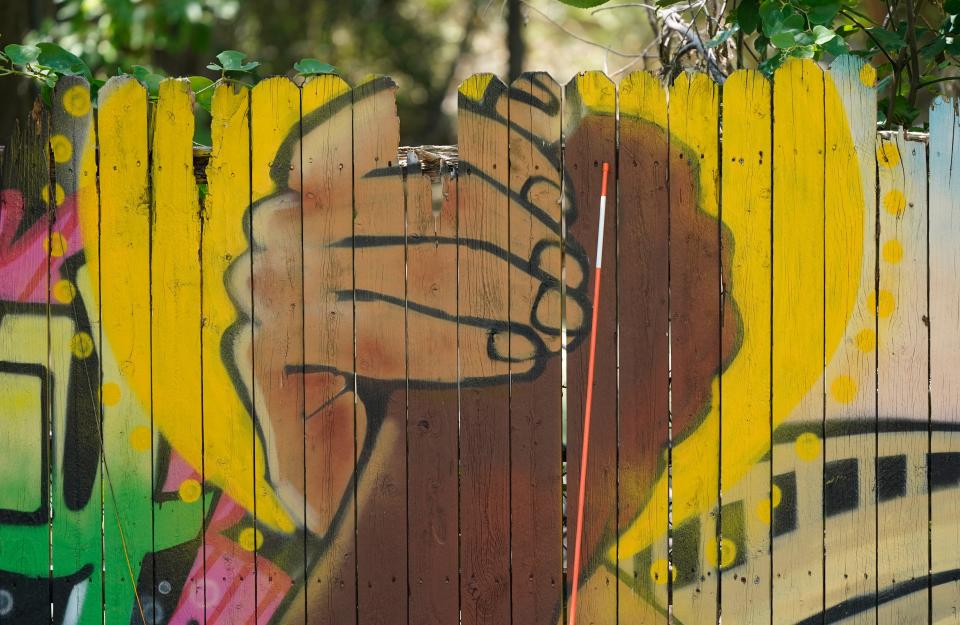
column 486, row 344
column 695, row 341
column 337, row 424
column 745, row 382
column 175, row 326
column 944, row 294
column 902, row 367
column 432, row 429
column 26, row 377
column 850, row 265
column 120, row 266
column 226, row 572
column 536, row 384
column 379, row 253
column 275, row 348
column 643, row 293
column 798, row 352
column 589, row 136
column 74, row 362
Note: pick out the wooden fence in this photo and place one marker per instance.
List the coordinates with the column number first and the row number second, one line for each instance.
column 325, row 388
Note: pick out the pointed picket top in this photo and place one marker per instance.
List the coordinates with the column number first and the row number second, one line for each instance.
column 643, row 95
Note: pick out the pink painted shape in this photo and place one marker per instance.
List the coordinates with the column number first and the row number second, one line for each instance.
column 23, row 259
column 178, row 470
column 229, row 582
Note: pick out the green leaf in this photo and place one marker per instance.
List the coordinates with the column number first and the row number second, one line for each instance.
column 802, row 52
column 62, row 62
column 203, row 90
column 951, row 6
column 584, row 4
column 823, row 14
column 822, row 34
column 232, row 60
column 21, row 55
column 149, row 79
column 721, row 36
column 934, row 48
column 836, row 47
column 214, row 67
column 312, row 67
column 890, row 41
column 784, row 39
column 748, row 16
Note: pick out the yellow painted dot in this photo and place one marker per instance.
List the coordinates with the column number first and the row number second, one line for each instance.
column 892, row 251
column 866, row 340
column 894, row 202
column 763, row 510
column 868, row 76
column 141, row 438
column 843, row 389
column 807, row 446
column 110, row 393
column 45, row 194
column 190, row 490
column 777, row 495
column 888, row 155
column 61, row 147
column 81, row 345
column 56, row 245
column 76, row 101
column 884, row 305
column 728, row 552
column 64, row 291
column 250, row 538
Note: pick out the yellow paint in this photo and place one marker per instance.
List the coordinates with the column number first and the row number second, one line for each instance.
column 843, row 389
column 81, row 345
column 61, row 147
column 888, row 155
column 57, row 191
column 866, row 340
column 110, row 393
column 250, row 539
column 892, row 251
column 279, row 100
column 801, row 88
column 76, row 100
column 728, row 552
column 141, row 438
column 763, row 511
column 894, row 202
column 807, row 446
column 886, row 304
column 475, row 86
column 868, row 76
column 190, row 490
column 55, row 245
column 64, row 291
column 659, row 570
column 777, row 495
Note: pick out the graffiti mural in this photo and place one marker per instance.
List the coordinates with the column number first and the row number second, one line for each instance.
column 328, row 384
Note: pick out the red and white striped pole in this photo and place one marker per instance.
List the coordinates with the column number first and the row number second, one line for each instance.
column 572, row 608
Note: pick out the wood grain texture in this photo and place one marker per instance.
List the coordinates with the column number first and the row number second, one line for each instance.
column 380, row 344
column 746, row 194
column 902, row 366
column 944, row 293
column 432, row 428
column 175, row 322
column 324, row 179
column 695, row 336
column 123, row 290
column 850, row 264
column 589, row 135
column 535, row 405
column 798, row 353
column 26, row 380
column 226, row 220
column 484, row 352
column 643, row 221
column 272, row 273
